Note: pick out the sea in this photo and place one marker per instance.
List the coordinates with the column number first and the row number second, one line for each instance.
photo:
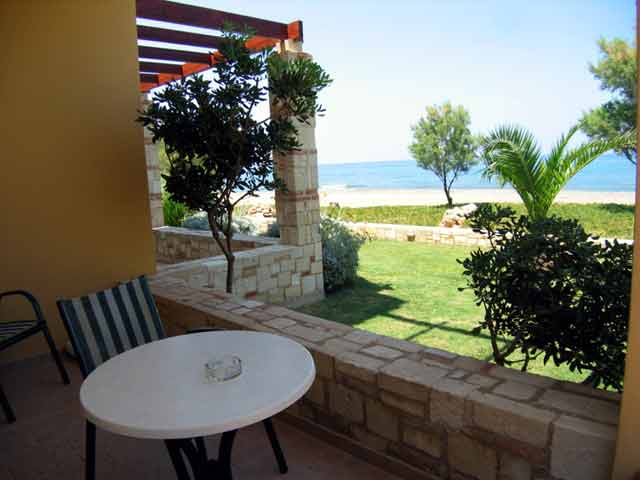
column 609, row 173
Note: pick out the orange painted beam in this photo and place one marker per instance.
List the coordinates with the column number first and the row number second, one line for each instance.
column 294, row 31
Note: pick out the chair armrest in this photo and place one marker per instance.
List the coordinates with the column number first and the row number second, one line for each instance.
column 32, row 300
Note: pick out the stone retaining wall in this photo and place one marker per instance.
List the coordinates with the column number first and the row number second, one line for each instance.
column 264, row 270
column 175, row 245
column 448, row 416
column 433, row 235
column 414, row 233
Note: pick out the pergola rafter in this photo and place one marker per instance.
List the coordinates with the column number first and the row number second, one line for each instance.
column 154, row 67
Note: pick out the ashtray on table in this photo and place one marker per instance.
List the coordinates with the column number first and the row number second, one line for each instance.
column 221, row 369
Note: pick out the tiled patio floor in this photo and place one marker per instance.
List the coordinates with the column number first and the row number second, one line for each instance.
column 47, row 441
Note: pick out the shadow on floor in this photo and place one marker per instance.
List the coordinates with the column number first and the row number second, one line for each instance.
column 47, row 440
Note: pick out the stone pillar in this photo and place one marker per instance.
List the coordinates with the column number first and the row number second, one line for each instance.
column 153, row 172
column 298, row 208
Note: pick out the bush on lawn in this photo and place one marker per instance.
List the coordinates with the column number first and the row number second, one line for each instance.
column 199, row 221
column 340, row 249
column 550, row 291
column 174, row 212
column 273, row 230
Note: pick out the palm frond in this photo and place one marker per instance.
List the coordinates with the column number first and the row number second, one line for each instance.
column 513, row 156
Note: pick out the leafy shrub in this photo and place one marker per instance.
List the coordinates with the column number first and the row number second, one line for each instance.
column 199, row 221
column 550, row 291
column 273, row 230
column 174, row 212
column 339, row 253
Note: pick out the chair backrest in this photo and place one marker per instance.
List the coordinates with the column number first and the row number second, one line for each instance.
column 103, row 324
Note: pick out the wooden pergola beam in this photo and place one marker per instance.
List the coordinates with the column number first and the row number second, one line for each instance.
column 266, row 34
column 157, row 67
column 194, row 16
column 175, row 36
column 149, row 78
column 174, row 55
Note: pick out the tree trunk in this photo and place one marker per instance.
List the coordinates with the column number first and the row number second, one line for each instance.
column 231, row 260
column 449, row 199
column 225, row 245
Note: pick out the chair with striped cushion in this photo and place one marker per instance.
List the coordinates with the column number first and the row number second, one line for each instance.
column 103, row 324
column 16, row 331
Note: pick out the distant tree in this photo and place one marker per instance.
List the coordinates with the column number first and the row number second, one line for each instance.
column 617, row 72
column 444, row 145
column 513, row 156
column 218, row 152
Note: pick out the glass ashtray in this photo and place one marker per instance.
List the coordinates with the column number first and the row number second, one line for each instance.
column 221, row 369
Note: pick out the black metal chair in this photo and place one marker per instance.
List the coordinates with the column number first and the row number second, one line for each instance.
column 106, row 323
column 16, row 331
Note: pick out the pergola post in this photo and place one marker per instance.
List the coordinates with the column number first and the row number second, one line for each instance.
column 153, row 171
column 298, row 208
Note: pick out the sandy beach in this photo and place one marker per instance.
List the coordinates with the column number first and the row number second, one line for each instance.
column 362, row 197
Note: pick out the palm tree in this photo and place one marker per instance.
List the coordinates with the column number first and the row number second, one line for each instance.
column 514, row 157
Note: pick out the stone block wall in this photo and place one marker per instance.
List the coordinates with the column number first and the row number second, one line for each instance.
column 264, row 269
column 175, row 245
column 153, row 172
column 414, row 233
column 439, row 414
column 298, row 206
column 433, row 235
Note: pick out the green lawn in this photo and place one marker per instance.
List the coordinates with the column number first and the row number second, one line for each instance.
column 410, row 291
column 604, row 219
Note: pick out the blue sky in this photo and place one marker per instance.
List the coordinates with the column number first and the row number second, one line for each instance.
column 510, row 61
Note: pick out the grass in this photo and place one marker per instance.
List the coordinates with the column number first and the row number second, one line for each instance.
column 603, row 219
column 410, row 291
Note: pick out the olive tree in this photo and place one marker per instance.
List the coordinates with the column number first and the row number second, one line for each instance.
column 219, row 153
column 443, row 144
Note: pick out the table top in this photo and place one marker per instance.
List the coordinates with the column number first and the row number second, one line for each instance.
column 158, row 390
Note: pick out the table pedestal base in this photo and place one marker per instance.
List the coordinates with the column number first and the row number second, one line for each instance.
column 202, row 467
column 196, row 455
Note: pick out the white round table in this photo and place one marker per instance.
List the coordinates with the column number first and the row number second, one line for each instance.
column 158, row 390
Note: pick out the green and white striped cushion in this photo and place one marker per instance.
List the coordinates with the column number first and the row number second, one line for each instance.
column 104, row 324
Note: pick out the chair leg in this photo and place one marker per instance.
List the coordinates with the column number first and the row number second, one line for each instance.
column 56, row 356
column 90, row 452
column 275, row 444
column 6, row 407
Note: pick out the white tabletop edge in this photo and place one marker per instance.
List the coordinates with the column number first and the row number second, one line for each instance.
column 232, row 424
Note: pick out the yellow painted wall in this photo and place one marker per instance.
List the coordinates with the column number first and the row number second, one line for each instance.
column 73, row 190
column 627, row 462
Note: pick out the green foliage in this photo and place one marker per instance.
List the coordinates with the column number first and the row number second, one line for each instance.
column 553, row 293
column 617, row 72
column 273, row 230
column 444, row 145
column 340, row 248
column 218, row 152
column 174, row 212
column 407, row 290
column 513, row 156
column 603, row 219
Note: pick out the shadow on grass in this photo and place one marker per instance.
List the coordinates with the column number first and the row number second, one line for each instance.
column 356, row 303
column 365, row 300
